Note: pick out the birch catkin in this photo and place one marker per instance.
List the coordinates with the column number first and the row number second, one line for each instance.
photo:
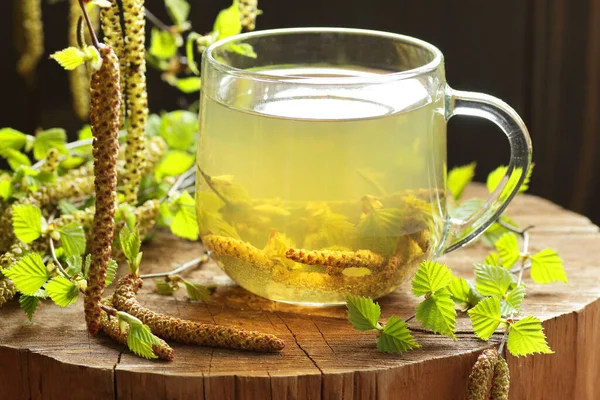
column 110, row 18
column 482, row 372
column 33, row 37
column 501, row 381
column 167, row 327
column 104, row 119
column 137, row 97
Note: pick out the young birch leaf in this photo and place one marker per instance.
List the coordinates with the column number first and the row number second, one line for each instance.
column 459, row 178
column 111, row 272
column 396, row 337
column 66, row 207
column 164, row 288
column 74, row 264
column 28, row 274
column 492, row 259
column 5, row 189
column 178, row 10
column 72, row 238
column 527, row 337
column 179, row 129
column 378, row 229
column 175, row 162
column 491, row 280
column 12, row 139
column 438, row 314
column 28, row 223
column 69, row 58
column 512, row 301
column 485, row 317
column 48, row 139
column 138, row 342
column 15, row 158
column 459, row 290
column 547, row 266
column 495, row 177
column 130, row 243
column 495, row 231
column 163, row 44
column 185, row 223
column 190, row 84
column 430, row 277
column 228, row 21
column 363, row 313
column 29, row 304
column 197, row 292
column 62, row 291
column 508, row 250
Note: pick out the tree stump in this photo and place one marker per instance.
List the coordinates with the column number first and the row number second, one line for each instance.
column 324, row 358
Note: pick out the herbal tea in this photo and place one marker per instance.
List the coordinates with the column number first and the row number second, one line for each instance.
column 308, row 199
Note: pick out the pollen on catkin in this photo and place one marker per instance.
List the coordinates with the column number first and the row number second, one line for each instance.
column 482, row 372
column 7, row 290
column 110, row 18
column 184, row 331
column 137, row 97
column 249, row 11
column 501, row 381
column 33, row 37
column 226, row 246
column 110, row 327
column 51, row 161
column 104, row 120
column 79, row 78
column 336, row 261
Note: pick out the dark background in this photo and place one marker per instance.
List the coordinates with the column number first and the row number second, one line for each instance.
column 540, row 56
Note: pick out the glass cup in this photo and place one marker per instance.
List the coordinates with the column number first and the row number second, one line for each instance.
column 322, row 161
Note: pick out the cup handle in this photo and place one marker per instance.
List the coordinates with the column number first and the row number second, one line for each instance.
column 495, row 110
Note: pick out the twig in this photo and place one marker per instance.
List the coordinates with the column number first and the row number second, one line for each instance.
column 55, row 259
column 157, row 22
column 208, row 181
column 503, row 342
column 109, row 310
column 89, row 25
column 410, row 318
column 178, row 183
column 195, row 262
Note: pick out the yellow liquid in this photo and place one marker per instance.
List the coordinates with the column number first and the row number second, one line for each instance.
column 310, row 198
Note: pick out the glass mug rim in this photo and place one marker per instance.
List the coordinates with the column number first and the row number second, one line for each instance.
column 374, row 79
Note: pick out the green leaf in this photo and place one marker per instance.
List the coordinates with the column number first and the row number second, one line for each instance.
column 512, row 301
column 69, row 58
column 459, row 178
column 485, row 317
column 244, row 49
column 189, row 85
column 153, row 125
column 28, row 223
column 197, row 292
column 466, row 209
column 189, row 52
column 527, row 337
column 66, row 207
column 363, row 313
column 396, row 337
column 12, row 139
column 437, row 313
column 547, row 266
column 174, row 163
column 5, row 189
column 111, row 272
column 228, row 21
column 179, row 129
column 15, row 158
column 185, row 223
column 62, row 291
column 492, row 259
column 48, row 139
column 29, row 304
column 130, row 243
column 72, row 238
column 178, row 10
column 378, row 229
column 164, row 288
column 495, row 177
column 491, row 280
column 74, row 264
column 508, row 250
column 495, row 231
column 163, row 44
column 140, row 339
column 28, row 274
column 430, row 277
column 463, row 294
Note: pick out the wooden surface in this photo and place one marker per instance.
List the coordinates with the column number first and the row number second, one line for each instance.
column 324, row 358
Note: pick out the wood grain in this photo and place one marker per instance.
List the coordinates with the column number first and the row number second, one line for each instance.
column 324, row 358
